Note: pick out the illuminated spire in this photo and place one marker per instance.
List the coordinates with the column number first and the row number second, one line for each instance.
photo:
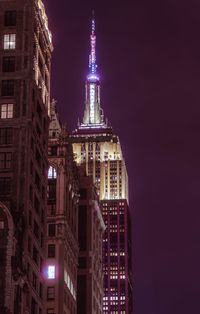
column 93, row 114
column 92, row 56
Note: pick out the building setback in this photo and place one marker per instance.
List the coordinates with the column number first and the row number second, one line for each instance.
column 25, row 56
column 97, row 148
column 90, row 234
column 62, row 222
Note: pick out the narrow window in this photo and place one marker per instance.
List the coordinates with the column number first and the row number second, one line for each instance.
column 52, row 230
column 41, row 290
column 52, row 173
column 36, row 229
column 51, row 250
column 51, row 272
column 35, row 254
column 50, row 293
column 34, row 281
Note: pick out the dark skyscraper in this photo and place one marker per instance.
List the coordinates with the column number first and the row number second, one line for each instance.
column 25, row 53
column 98, row 148
column 90, row 229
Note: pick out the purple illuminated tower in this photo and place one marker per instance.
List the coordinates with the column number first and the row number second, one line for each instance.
column 98, row 148
column 93, row 114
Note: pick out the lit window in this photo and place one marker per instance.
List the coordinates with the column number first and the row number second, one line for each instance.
column 6, row 111
column 9, row 41
column 52, row 173
column 51, row 272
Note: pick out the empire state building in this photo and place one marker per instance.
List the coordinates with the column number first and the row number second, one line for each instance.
column 98, row 149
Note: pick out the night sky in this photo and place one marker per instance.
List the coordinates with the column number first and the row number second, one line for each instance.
column 148, row 54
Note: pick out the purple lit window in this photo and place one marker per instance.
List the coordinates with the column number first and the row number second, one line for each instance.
column 52, row 173
column 51, row 272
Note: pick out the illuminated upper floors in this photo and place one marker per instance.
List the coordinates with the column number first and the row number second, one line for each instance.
column 102, row 157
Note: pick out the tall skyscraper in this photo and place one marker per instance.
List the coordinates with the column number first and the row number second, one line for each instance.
column 25, row 53
column 97, row 147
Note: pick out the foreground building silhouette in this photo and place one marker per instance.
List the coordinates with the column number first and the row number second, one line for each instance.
column 98, row 149
column 62, row 221
column 24, row 112
column 90, row 235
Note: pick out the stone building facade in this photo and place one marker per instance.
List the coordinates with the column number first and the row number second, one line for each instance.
column 6, row 253
column 25, row 57
column 62, row 222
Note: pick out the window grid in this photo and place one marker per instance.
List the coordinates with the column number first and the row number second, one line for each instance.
column 7, row 88
column 10, row 18
column 8, row 64
column 6, row 135
column 6, row 111
column 50, row 293
column 9, row 41
column 5, row 160
column 52, row 173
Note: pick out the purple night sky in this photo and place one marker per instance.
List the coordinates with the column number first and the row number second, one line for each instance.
column 148, row 54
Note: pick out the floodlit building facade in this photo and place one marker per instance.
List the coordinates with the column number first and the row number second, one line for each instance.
column 62, row 222
column 98, row 148
column 90, row 235
column 25, row 56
